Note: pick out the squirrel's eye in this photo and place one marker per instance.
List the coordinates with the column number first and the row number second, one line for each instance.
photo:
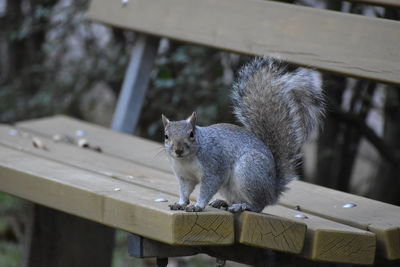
column 166, row 137
column 191, row 135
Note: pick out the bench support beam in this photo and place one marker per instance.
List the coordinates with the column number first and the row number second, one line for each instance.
column 141, row 247
column 135, row 84
column 57, row 239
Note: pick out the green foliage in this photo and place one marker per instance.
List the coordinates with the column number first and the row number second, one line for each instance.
column 53, row 57
column 187, row 78
column 10, row 251
column 10, row 254
column 9, row 202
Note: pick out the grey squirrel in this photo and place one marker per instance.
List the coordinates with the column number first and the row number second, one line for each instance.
column 249, row 165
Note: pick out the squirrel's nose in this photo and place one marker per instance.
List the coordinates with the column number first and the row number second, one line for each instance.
column 179, row 152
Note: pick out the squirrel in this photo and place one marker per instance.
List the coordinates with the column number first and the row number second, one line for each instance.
column 249, row 165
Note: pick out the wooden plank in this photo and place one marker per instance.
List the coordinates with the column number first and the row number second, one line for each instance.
column 123, row 146
column 377, row 217
column 261, row 230
column 114, row 203
column 344, row 43
column 75, row 156
column 385, row 3
column 135, row 84
column 271, row 232
column 130, row 172
column 330, row 241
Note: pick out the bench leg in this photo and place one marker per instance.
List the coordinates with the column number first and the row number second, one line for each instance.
column 162, row 262
column 135, row 83
column 57, row 239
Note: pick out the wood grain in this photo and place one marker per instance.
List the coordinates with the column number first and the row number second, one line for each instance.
column 100, row 163
column 130, row 172
column 330, row 241
column 272, row 232
column 119, row 145
column 379, row 218
column 344, row 43
column 111, row 202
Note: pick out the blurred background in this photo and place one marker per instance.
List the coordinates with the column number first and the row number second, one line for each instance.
column 54, row 61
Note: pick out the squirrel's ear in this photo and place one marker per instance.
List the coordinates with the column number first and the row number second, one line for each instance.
column 165, row 120
column 192, row 119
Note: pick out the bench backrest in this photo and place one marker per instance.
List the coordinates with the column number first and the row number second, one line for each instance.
column 348, row 44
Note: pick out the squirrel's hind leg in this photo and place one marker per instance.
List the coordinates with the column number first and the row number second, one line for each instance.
column 254, row 182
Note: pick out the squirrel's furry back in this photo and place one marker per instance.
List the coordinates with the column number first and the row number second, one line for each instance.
column 281, row 108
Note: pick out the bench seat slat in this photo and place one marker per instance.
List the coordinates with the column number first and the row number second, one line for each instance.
column 331, row 241
column 93, row 196
column 132, row 173
column 344, row 43
column 277, row 230
column 122, row 146
column 380, row 218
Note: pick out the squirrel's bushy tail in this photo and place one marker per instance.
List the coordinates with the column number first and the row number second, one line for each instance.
column 282, row 108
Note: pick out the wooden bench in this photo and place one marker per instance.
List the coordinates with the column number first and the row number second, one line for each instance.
column 129, row 186
column 119, row 186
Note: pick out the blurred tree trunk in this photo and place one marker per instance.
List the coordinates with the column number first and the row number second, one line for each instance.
column 9, row 23
column 328, row 150
column 339, row 141
column 24, row 26
column 386, row 186
column 24, row 34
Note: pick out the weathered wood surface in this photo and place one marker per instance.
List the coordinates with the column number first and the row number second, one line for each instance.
column 270, row 231
column 377, row 217
column 134, row 87
column 130, row 172
column 108, row 201
column 348, row 44
column 122, row 146
column 380, row 218
column 330, row 241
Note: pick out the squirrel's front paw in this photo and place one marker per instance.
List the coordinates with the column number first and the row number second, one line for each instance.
column 177, row 206
column 194, row 208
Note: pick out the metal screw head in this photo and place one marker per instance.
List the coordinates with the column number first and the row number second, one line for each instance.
column 80, row 133
column 13, row 132
column 124, row 2
column 161, row 200
column 300, row 216
column 117, row 189
column 348, row 205
column 57, row 138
